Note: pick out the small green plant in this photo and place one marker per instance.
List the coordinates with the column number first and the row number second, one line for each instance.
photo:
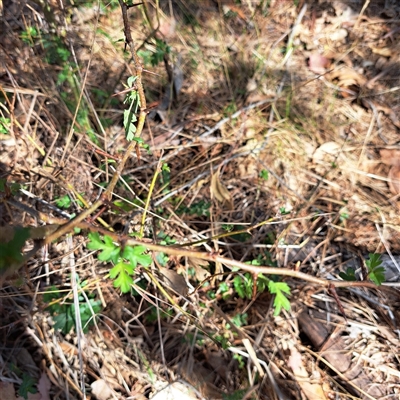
column 283, row 211
column 5, row 125
column 66, row 201
column 264, row 174
column 29, row 35
column 244, row 288
column 28, row 385
column 349, row 275
column 125, row 260
column 240, row 320
column 243, row 285
column 64, row 313
column 153, row 58
column 201, row 209
column 132, row 98
column 375, row 270
column 224, row 290
column 11, row 251
column 227, row 227
column 230, row 109
column 165, row 240
column 239, row 359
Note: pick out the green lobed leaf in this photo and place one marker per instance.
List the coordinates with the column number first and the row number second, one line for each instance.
column 349, row 275
column 377, row 275
column 375, row 271
column 64, row 202
column 373, row 261
column 238, row 285
column 65, row 320
column 110, row 251
column 135, row 255
column 281, row 301
column 122, row 275
column 27, row 386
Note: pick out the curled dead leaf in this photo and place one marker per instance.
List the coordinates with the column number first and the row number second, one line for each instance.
column 220, row 192
column 199, row 267
column 384, row 52
column 175, row 281
column 313, row 391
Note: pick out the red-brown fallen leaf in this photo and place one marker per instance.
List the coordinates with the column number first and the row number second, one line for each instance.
column 394, row 180
column 7, row 391
column 318, row 63
column 43, row 386
column 390, row 157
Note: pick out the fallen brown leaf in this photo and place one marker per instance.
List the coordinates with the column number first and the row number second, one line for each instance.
column 219, row 191
column 318, row 63
column 174, row 281
column 390, row 157
column 394, row 180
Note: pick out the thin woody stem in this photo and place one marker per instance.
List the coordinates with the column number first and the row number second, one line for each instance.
column 107, row 195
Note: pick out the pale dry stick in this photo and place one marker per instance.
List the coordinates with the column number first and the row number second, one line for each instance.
column 253, row 356
column 377, row 117
column 366, row 138
column 292, row 34
column 361, row 14
column 31, row 108
column 23, row 91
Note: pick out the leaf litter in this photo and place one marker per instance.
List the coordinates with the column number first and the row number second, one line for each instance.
column 326, row 133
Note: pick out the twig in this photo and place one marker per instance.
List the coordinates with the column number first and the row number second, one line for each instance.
column 107, row 195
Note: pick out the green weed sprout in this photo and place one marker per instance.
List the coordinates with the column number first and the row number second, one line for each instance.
column 125, row 260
